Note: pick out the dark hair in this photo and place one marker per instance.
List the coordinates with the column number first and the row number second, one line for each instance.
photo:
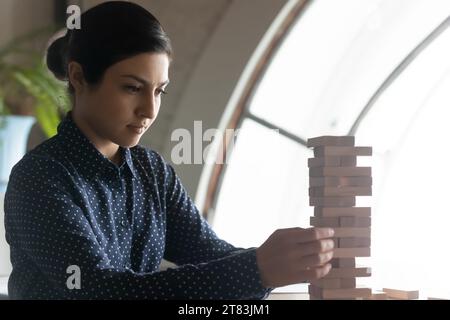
column 110, row 32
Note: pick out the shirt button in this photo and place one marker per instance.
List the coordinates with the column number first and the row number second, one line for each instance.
column 123, row 223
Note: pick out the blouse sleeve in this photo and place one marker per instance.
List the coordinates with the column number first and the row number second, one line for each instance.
column 190, row 238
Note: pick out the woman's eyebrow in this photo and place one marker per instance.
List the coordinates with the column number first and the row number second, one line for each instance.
column 143, row 81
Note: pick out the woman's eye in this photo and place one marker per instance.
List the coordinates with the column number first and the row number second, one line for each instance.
column 132, row 89
column 160, row 91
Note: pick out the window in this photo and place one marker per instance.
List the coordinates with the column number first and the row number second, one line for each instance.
column 377, row 69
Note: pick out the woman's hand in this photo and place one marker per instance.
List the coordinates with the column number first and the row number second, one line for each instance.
column 295, row 255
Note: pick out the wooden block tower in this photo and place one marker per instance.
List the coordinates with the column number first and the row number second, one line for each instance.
column 334, row 182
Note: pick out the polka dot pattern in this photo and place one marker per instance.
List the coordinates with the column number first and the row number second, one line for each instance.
column 66, row 204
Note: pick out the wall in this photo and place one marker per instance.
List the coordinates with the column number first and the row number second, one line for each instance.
column 21, row 16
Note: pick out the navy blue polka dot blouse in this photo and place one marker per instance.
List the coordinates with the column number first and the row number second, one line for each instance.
column 68, row 205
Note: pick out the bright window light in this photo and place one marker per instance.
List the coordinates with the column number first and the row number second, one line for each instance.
column 331, row 63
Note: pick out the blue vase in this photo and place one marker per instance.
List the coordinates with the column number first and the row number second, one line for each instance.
column 14, row 132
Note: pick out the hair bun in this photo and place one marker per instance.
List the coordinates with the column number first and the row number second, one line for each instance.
column 57, row 58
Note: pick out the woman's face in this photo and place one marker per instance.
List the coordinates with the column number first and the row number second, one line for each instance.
column 126, row 101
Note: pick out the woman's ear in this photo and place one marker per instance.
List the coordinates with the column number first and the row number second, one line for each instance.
column 76, row 77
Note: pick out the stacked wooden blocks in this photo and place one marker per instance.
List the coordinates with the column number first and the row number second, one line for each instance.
column 334, row 182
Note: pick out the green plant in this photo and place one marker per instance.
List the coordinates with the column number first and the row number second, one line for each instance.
column 27, row 87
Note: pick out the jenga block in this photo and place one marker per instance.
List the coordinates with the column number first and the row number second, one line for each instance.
column 347, row 283
column 324, row 162
column 351, row 252
column 340, row 181
column 360, row 292
column 401, row 294
column 324, row 222
column 339, row 191
column 378, row 295
column 338, row 212
column 348, row 273
column 343, row 263
column 353, row 242
column 342, row 141
column 356, row 222
column 342, row 151
column 352, row 232
column 332, row 201
column 332, row 162
column 334, row 283
column 348, row 161
column 340, row 172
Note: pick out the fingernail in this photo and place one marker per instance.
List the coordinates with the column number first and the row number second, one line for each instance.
column 331, row 244
column 331, row 232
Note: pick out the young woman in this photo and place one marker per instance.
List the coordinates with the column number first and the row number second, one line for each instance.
column 90, row 214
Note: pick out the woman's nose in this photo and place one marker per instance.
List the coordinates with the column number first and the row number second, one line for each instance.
column 148, row 108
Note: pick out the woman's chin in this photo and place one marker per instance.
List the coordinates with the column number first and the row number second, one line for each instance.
column 128, row 142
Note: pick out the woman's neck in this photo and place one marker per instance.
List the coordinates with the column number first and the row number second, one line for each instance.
column 107, row 148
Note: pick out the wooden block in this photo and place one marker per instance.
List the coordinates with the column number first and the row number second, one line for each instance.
column 356, row 222
column 343, row 263
column 332, row 162
column 346, row 141
column 340, row 172
column 332, row 201
column 347, row 283
column 342, row 151
column 353, row 242
column 378, row 295
column 334, row 283
column 322, row 293
column 348, row 273
column 352, row 232
column 340, row 181
column 324, row 162
column 351, row 252
column 348, row 161
column 339, row 212
column 401, row 294
column 324, row 222
column 339, row 191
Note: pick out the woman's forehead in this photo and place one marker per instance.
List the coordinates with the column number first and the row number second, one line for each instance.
column 147, row 68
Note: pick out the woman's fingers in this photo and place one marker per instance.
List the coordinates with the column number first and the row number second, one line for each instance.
column 314, row 273
column 299, row 235
column 295, row 255
column 314, row 260
column 313, row 247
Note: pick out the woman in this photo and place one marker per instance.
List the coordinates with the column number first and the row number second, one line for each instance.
column 90, row 214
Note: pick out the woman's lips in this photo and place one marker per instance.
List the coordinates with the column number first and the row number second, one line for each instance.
column 137, row 129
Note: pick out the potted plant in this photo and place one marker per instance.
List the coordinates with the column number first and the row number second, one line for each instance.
column 28, row 93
